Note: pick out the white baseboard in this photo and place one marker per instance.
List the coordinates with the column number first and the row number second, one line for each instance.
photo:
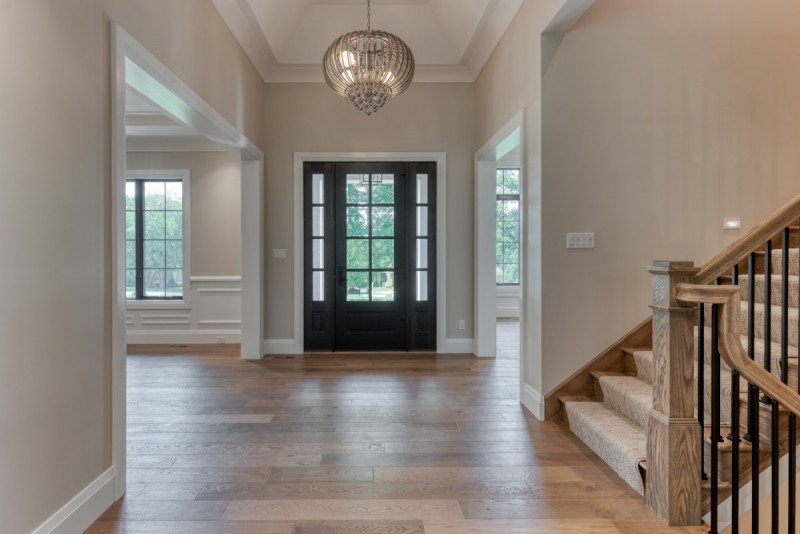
column 281, row 346
column 458, row 346
column 181, row 337
column 83, row 509
column 533, row 401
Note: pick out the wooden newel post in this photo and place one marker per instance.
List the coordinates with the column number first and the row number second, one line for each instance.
column 673, row 435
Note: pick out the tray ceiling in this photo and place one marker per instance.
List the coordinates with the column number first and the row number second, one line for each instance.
column 451, row 39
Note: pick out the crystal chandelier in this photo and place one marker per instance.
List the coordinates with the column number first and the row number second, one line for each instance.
column 368, row 67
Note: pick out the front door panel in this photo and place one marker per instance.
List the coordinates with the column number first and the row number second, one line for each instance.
column 370, row 256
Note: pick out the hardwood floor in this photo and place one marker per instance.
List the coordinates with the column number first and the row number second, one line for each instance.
column 357, row 443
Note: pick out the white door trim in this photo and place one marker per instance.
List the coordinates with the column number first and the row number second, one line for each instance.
column 441, row 224
column 134, row 65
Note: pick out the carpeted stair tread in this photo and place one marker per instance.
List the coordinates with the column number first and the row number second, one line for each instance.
column 775, row 291
column 620, row 442
column 629, row 396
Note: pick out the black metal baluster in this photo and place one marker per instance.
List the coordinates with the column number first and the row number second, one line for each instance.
column 734, row 437
column 752, row 395
column 755, row 469
column 715, row 419
column 767, row 308
column 701, row 399
column 735, row 275
column 792, row 471
column 792, row 516
column 776, row 458
column 785, row 306
column 785, row 379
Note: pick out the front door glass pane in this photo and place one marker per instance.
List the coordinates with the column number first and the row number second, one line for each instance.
column 357, row 222
column 357, row 191
column 382, row 189
column 383, row 286
column 383, row 222
column 383, row 253
column 357, row 254
column 357, row 286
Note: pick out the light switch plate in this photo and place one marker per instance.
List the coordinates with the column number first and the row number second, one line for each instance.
column 279, row 253
column 584, row 240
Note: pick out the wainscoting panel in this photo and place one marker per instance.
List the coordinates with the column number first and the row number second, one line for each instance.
column 212, row 313
column 508, row 298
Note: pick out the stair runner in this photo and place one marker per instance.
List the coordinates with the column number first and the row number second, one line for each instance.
column 614, row 422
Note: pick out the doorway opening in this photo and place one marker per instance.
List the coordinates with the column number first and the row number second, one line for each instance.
column 369, row 255
column 500, row 247
column 135, row 71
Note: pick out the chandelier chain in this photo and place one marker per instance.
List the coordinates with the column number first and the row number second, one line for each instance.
column 369, row 15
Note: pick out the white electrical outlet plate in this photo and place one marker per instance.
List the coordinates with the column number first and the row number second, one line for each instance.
column 279, row 253
column 585, row 240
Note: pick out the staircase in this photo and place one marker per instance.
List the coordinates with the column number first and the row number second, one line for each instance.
column 608, row 404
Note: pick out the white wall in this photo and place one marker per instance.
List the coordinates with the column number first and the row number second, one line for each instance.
column 429, row 117
column 55, row 368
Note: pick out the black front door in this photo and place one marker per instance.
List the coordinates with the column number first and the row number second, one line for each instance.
column 370, row 257
column 369, row 250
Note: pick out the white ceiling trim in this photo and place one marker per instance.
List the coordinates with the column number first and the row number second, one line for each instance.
column 241, row 20
column 250, row 39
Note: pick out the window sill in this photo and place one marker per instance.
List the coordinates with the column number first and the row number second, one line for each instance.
column 158, row 305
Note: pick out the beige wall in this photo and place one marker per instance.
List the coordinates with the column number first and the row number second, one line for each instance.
column 311, row 118
column 215, row 206
column 658, row 119
column 55, row 366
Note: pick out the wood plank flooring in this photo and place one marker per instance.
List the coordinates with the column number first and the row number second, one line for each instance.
column 356, row 443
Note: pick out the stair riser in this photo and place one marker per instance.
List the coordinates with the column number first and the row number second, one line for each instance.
column 794, row 263
column 765, row 424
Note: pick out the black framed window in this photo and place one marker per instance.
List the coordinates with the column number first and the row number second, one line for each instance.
column 154, row 238
column 508, row 229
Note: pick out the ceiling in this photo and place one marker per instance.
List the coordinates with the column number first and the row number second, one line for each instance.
column 451, row 39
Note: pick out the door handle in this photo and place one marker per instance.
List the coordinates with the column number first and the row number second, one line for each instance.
column 340, row 276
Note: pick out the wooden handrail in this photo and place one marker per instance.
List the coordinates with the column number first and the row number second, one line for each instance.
column 730, row 341
column 757, row 236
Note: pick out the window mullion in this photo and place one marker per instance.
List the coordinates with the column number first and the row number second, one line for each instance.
column 139, row 239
